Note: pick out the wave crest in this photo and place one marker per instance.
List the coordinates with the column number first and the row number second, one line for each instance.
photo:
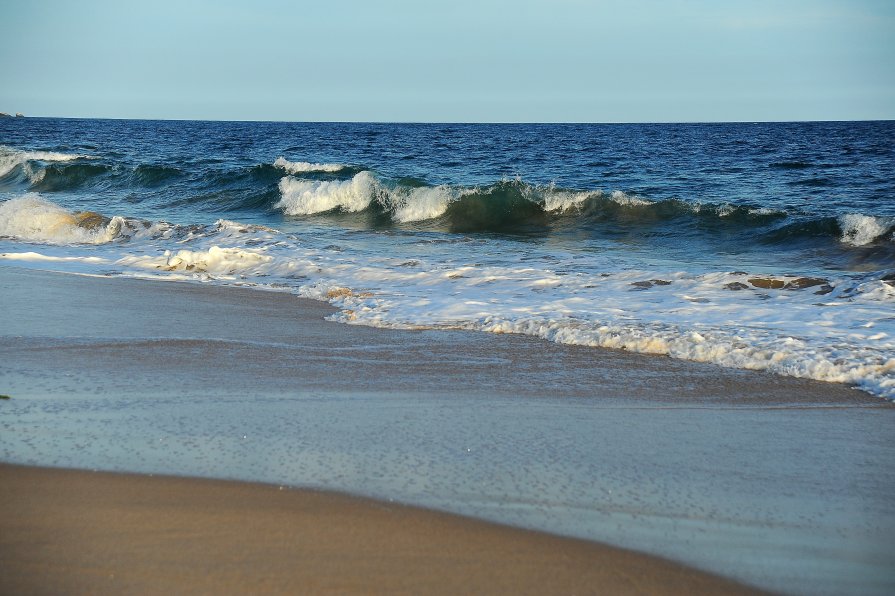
column 301, row 167
column 34, row 219
column 11, row 159
column 502, row 205
column 860, row 230
column 420, row 204
column 307, row 197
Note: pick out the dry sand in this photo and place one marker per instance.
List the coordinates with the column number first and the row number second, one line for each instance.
column 74, row 532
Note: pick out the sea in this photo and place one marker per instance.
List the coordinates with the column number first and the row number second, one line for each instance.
column 767, row 246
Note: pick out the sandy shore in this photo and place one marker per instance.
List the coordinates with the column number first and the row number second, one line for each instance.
column 71, row 532
column 777, row 482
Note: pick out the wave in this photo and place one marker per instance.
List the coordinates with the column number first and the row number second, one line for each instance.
column 160, row 185
column 850, row 230
column 307, row 197
column 513, row 205
column 683, row 314
column 499, row 206
column 34, row 219
column 861, row 230
column 506, row 206
column 155, row 175
column 12, row 159
column 68, row 176
column 301, row 167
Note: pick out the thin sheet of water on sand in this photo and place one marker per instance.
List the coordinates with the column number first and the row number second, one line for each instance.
column 775, row 481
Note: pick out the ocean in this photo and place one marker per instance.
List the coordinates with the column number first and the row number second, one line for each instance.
column 767, row 246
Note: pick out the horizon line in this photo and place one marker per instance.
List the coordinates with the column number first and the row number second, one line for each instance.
column 456, row 122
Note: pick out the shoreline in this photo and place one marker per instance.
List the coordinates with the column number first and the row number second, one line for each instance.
column 133, row 533
column 743, row 473
column 807, row 391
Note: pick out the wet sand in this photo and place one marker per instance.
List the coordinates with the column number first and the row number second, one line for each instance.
column 72, row 532
column 777, row 482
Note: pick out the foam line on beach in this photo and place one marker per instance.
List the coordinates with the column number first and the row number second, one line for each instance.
column 836, row 328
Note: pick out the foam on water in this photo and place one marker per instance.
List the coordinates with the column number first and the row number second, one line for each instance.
column 38, row 257
column 860, row 230
column 35, row 219
column 563, row 200
column 420, row 204
column 500, row 205
column 298, row 167
column 215, row 260
column 836, row 329
column 413, row 204
column 306, row 197
column 11, row 158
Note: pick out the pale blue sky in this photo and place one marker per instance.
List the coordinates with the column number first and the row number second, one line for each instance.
column 456, row 60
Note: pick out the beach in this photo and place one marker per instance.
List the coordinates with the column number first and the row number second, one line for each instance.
column 70, row 532
column 780, row 483
column 448, row 298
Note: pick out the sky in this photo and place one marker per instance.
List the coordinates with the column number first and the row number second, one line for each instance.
column 451, row 61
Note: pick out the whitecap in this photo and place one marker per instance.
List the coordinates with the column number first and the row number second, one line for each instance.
column 858, row 229
column 11, row 158
column 419, row 204
column 298, row 167
column 305, row 197
column 33, row 218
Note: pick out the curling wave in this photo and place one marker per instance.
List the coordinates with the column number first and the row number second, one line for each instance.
column 499, row 206
column 12, row 160
column 510, row 205
column 34, row 219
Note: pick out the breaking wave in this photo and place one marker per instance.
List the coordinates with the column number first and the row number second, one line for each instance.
column 510, row 205
column 297, row 167
column 860, row 230
column 12, row 160
column 677, row 313
column 306, row 197
column 300, row 188
column 34, row 219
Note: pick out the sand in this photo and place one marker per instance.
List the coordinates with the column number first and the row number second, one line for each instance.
column 73, row 532
column 777, row 482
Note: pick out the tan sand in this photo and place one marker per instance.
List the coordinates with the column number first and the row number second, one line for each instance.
column 74, row 532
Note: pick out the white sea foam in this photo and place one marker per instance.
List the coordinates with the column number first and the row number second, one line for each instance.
column 693, row 317
column 623, row 198
column 299, row 167
column 215, row 260
column 419, row 204
column 38, row 257
column 562, row 200
column 859, row 230
column 11, row 158
column 33, row 218
column 558, row 200
column 305, row 197
column 845, row 333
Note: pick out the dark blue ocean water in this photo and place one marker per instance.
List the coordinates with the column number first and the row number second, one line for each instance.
column 717, row 242
column 751, row 189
